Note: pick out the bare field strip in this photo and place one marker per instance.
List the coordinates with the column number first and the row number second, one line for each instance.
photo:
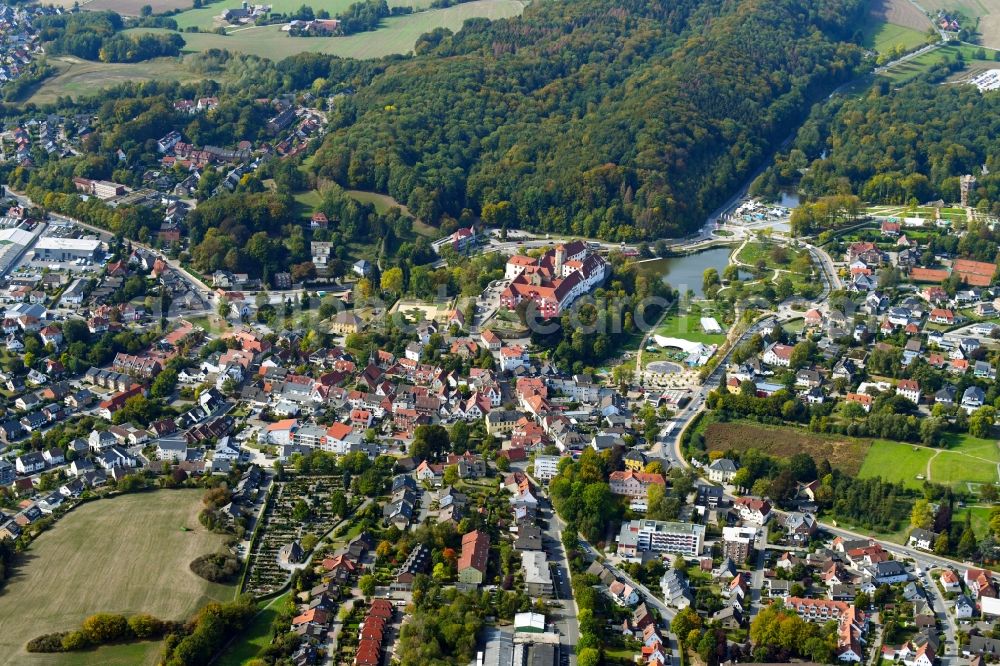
column 124, row 555
column 989, row 28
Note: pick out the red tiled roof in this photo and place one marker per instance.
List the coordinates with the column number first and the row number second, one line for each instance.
column 475, row 551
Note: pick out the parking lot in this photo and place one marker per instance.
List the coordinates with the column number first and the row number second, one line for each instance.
column 487, row 303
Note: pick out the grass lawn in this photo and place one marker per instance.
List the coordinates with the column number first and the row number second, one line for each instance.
column 958, row 470
column 687, row 326
column 896, row 461
column 146, row 653
column 382, row 202
column 972, row 446
column 962, row 459
column 397, row 35
column 256, row 637
column 310, row 201
column 122, row 555
column 980, row 518
column 78, row 77
column 794, row 325
column 883, row 36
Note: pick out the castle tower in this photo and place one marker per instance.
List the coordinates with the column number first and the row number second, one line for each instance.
column 966, row 183
column 560, row 259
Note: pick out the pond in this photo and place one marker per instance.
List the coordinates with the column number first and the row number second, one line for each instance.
column 683, row 273
column 789, row 198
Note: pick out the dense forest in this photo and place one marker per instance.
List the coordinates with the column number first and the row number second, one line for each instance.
column 614, row 119
column 901, row 146
column 96, row 36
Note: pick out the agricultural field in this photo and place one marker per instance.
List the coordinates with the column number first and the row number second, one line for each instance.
column 207, row 17
column 78, row 77
column 128, row 554
column 124, row 7
column 883, row 36
column 970, row 8
column 901, row 13
column 844, row 453
column 397, row 36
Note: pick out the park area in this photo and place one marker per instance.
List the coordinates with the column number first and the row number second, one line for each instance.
column 128, row 555
column 397, row 35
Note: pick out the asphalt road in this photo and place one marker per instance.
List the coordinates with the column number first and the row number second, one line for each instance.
column 564, row 617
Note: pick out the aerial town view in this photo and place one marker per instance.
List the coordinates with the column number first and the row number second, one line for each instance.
column 499, row 332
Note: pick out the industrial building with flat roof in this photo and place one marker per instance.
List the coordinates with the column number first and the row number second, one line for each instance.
column 66, row 249
column 657, row 536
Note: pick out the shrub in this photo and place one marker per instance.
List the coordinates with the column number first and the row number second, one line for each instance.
column 105, row 628
column 216, row 567
column 145, row 626
column 47, row 643
column 208, row 631
column 75, row 640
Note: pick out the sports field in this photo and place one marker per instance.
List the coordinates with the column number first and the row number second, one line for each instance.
column 82, row 77
column 397, row 36
column 122, row 555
